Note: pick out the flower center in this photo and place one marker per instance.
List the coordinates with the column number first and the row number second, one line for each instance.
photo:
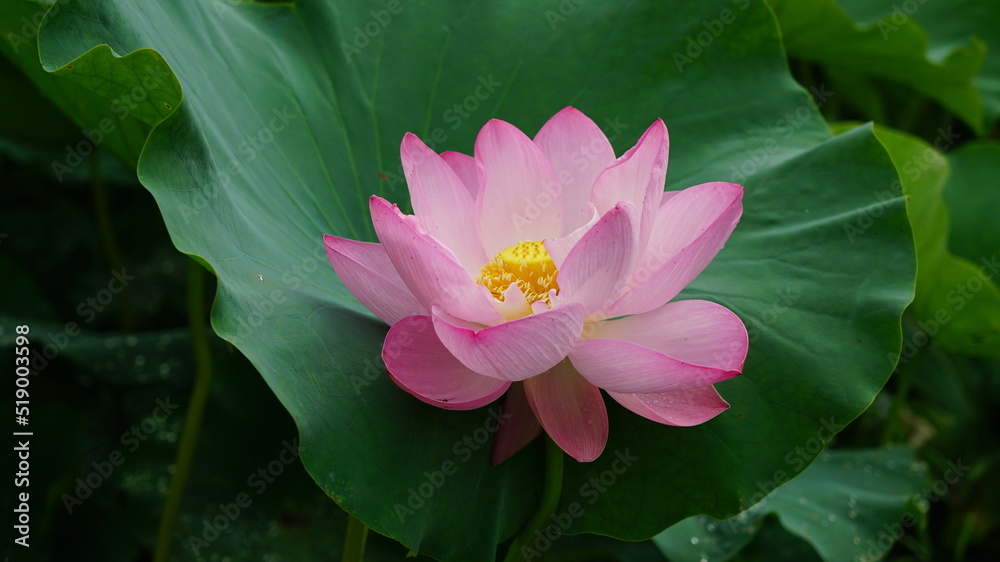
column 528, row 264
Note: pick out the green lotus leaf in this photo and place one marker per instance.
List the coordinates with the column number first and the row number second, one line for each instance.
column 847, row 505
column 291, row 116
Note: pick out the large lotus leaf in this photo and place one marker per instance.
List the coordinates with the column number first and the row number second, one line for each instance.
column 848, row 505
column 896, row 49
column 948, row 25
column 957, row 301
column 292, row 116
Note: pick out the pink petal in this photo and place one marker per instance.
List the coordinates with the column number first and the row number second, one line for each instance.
column 683, row 408
column 418, row 362
column 518, row 425
column 571, row 410
column 465, row 168
column 429, row 269
column 559, row 248
column 638, row 176
column 666, row 197
column 623, row 366
column 513, row 350
column 696, row 331
column 441, row 202
column 598, row 265
column 578, row 151
column 520, row 198
column 514, row 305
column 366, row 271
column 539, row 307
column 689, row 231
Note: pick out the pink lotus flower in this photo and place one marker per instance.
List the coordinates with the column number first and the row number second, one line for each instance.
column 544, row 269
